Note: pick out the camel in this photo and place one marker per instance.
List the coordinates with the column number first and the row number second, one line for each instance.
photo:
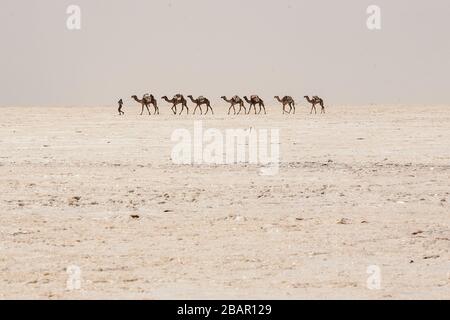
column 150, row 99
column 315, row 100
column 255, row 100
column 176, row 100
column 144, row 102
column 287, row 101
column 235, row 101
column 199, row 102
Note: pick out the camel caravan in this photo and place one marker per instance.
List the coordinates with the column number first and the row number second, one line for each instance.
column 149, row 101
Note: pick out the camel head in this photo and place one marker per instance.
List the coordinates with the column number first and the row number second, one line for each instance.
column 164, row 98
column 136, row 98
column 223, row 97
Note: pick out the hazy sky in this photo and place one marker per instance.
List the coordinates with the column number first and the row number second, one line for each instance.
column 224, row 47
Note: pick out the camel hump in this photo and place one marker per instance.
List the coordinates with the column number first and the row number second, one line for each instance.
column 178, row 96
column 236, row 98
column 201, row 98
column 254, row 97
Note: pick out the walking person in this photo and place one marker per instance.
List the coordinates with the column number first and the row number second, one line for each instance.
column 120, row 107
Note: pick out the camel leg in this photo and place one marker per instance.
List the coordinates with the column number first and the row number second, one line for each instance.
column 187, row 109
column 142, row 111
column 201, row 111
column 148, row 109
column 208, row 106
column 264, row 108
column 293, row 107
column 174, row 110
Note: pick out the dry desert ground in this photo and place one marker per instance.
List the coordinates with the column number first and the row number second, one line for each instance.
column 358, row 188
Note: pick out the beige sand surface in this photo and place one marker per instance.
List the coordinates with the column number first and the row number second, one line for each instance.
column 225, row 231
